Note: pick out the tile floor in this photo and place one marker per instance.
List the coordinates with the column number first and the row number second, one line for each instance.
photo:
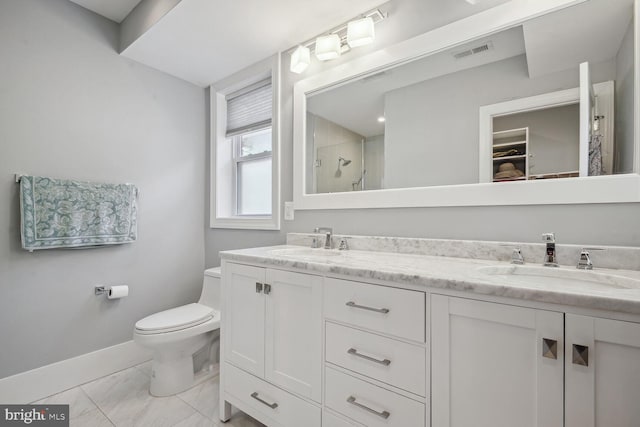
column 123, row 400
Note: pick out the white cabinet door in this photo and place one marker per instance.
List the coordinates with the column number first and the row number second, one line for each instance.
column 293, row 332
column 602, row 372
column 491, row 368
column 243, row 311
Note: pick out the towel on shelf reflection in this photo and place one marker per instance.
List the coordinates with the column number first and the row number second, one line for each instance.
column 58, row 213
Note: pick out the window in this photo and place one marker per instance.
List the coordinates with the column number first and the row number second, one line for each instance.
column 244, row 150
column 252, row 160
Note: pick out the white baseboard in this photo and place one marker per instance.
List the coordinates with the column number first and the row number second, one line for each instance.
column 39, row 383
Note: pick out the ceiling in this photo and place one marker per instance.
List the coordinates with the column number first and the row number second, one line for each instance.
column 203, row 41
column 116, row 10
column 591, row 31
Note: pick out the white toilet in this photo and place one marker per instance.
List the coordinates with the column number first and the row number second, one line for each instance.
column 176, row 335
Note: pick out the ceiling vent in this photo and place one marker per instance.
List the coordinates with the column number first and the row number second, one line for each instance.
column 485, row 47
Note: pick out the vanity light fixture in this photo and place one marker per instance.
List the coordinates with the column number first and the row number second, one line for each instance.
column 300, row 59
column 331, row 44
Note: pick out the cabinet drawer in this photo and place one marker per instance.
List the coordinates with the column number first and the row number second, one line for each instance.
column 290, row 410
column 396, row 363
column 331, row 420
column 370, row 405
column 380, row 308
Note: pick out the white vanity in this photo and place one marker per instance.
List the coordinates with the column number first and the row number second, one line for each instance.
column 418, row 332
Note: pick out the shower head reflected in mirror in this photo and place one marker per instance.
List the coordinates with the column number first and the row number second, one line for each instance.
column 341, row 162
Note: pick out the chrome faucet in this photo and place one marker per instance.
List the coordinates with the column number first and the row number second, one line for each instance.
column 328, row 232
column 550, row 253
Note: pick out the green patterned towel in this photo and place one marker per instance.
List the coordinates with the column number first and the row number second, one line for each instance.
column 58, row 213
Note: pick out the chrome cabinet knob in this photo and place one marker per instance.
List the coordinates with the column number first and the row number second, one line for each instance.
column 550, row 348
column 580, row 355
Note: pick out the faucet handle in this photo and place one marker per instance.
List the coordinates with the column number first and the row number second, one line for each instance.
column 584, row 262
column 343, row 244
column 516, row 257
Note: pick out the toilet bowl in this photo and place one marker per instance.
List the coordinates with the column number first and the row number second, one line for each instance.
column 177, row 334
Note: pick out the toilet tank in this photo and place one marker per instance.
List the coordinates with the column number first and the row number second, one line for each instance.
column 211, row 288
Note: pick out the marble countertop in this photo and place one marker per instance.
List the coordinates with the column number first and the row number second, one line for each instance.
column 605, row 289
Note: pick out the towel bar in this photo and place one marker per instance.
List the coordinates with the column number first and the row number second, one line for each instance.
column 20, row 175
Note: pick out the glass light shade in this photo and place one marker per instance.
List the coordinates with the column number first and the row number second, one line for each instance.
column 300, row 59
column 328, row 47
column 360, row 32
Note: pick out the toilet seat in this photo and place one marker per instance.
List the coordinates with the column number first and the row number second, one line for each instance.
column 175, row 319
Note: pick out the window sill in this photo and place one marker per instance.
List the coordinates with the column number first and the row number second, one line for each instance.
column 246, row 223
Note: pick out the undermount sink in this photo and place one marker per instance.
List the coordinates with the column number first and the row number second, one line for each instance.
column 561, row 276
column 306, row 252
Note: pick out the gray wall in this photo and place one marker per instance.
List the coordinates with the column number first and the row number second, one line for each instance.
column 614, row 224
column 624, row 104
column 71, row 107
column 373, row 163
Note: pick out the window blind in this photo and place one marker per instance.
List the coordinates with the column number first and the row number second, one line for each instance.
column 249, row 108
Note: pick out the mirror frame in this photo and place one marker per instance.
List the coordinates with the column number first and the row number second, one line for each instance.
column 622, row 188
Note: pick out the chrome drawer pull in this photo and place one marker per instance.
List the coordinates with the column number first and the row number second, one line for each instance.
column 383, row 414
column 385, row 362
column 364, row 307
column 270, row 405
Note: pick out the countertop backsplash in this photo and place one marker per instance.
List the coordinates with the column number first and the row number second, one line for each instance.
column 614, row 257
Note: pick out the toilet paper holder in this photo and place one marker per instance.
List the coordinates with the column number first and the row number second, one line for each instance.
column 112, row 292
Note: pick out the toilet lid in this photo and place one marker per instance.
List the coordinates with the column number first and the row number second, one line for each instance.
column 179, row 317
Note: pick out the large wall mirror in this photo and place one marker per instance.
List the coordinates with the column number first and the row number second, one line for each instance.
column 540, row 106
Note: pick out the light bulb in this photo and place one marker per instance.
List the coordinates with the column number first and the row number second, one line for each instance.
column 328, row 47
column 300, row 59
column 360, row 32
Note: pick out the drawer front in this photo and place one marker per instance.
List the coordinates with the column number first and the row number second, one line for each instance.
column 277, row 404
column 370, row 405
column 332, row 420
column 388, row 310
column 393, row 362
